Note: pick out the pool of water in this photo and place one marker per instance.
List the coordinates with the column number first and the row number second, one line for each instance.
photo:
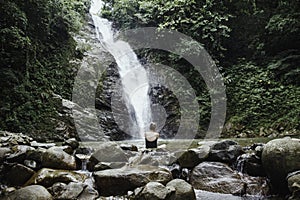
column 204, row 195
column 176, row 144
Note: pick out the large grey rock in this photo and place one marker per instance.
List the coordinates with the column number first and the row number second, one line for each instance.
column 225, row 151
column 193, row 157
column 70, row 191
column 119, row 181
column 108, row 152
column 183, row 189
column 32, row 192
column 216, row 177
column 47, row 177
column 58, row 159
column 89, row 193
column 54, row 157
column 155, row 191
column 279, row 158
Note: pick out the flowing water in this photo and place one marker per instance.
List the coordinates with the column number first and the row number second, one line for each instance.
column 134, row 77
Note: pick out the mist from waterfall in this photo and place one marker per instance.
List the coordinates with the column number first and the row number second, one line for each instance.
column 133, row 76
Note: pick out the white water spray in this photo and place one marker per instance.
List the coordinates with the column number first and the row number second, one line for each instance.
column 133, row 76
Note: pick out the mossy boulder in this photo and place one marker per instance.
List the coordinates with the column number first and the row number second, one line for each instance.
column 279, row 158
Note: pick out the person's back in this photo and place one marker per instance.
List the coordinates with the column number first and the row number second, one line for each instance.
column 151, row 137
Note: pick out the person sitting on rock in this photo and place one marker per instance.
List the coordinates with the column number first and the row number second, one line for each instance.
column 151, row 136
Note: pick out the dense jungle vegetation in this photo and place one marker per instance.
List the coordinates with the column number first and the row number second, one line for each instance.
column 36, row 45
column 256, row 47
column 255, row 44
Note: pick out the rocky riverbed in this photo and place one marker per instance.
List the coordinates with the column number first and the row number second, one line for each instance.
column 126, row 170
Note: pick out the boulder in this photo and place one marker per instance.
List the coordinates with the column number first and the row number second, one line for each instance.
column 89, row 193
column 119, row 181
column 225, row 151
column 18, row 175
column 70, row 191
column 108, row 152
column 32, row 192
column 155, row 191
column 216, row 177
column 58, row 159
column 183, row 189
column 47, row 177
column 279, row 158
column 193, row 157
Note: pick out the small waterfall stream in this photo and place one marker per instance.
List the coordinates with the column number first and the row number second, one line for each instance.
column 134, row 77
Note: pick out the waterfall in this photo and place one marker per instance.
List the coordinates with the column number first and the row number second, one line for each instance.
column 133, row 76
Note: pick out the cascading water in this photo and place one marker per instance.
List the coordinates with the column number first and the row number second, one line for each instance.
column 133, row 76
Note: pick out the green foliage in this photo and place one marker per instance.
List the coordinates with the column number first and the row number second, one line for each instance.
column 255, row 43
column 203, row 20
column 257, row 98
column 35, row 49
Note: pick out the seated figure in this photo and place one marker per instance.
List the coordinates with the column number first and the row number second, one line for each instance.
column 151, row 136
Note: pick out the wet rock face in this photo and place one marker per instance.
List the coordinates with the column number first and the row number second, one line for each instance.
column 34, row 192
column 216, row 177
column 220, row 178
column 114, row 121
column 119, row 181
column 280, row 157
column 161, row 96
